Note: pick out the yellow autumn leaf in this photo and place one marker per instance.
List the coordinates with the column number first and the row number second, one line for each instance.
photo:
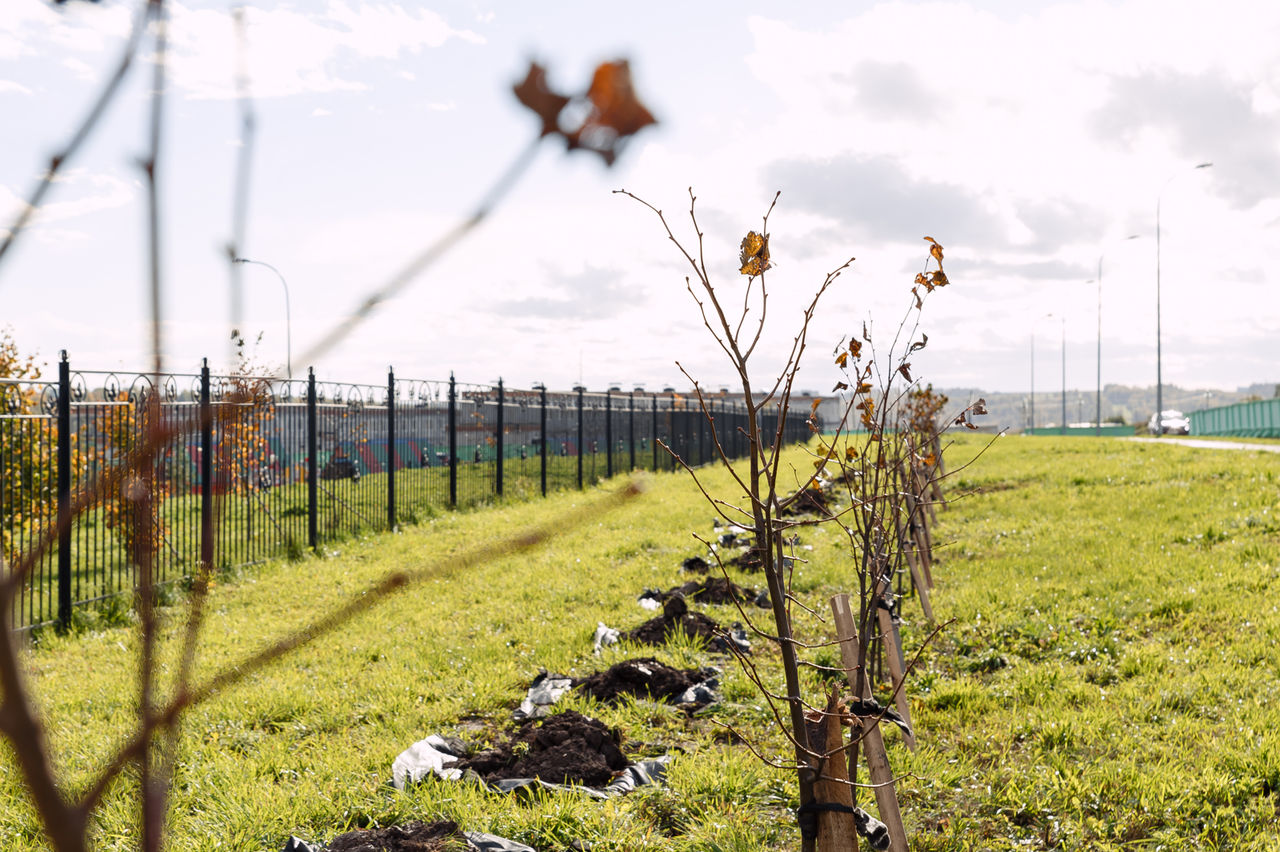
column 755, row 254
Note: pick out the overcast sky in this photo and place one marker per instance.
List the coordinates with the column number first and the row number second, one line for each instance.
column 1028, row 138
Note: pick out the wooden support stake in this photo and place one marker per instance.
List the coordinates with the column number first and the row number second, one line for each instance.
column 907, row 544
column 837, row 831
column 919, row 529
column 922, row 479
column 921, row 534
column 928, row 537
column 891, row 645
column 891, row 639
column 872, row 741
column 920, row 482
column 936, row 473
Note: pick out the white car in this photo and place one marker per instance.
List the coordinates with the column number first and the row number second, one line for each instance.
column 1169, row 422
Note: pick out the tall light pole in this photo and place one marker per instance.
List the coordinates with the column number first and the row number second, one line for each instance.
column 1064, row 375
column 1097, row 414
column 1032, row 429
column 1159, row 373
column 288, row 320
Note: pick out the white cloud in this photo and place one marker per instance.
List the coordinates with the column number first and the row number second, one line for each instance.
column 320, row 112
column 382, row 31
column 17, row 22
column 292, row 52
column 30, row 27
column 90, row 193
column 10, row 87
column 81, row 69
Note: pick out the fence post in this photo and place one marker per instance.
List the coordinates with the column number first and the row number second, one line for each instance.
column 653, row 438
column 207, row 529
column 542, row 433
column 453, row 441
column 712, row 426
column 64, row 492
column 679, row 441
column 580, row 389
column 501, row 442
column 391, row 448
column 631, row 427
column 313, row 486
column 608, row 431
column 737, row 425
column 704, row 426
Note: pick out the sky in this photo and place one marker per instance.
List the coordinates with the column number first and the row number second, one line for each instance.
column 1030, row 139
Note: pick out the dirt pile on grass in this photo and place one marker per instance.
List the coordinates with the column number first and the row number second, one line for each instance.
column 696, row 565
column 810, row 501
column 748, row 561
column 411, row 837
column 676, row 616
column 716, row 590
column 645, row 678
column 567, row 748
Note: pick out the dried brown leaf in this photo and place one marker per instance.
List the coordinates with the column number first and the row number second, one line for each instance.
column 534, row 93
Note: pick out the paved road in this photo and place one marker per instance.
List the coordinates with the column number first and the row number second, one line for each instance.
column 1213, row 445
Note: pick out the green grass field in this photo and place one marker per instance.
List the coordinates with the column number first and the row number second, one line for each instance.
column 1110, row 679
column 256, row 525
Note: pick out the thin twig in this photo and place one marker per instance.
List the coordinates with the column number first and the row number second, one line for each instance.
column 244, row 163
column 153, row 780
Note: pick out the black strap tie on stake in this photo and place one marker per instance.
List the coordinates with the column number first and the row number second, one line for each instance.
column 807, row 816
column 876, row 832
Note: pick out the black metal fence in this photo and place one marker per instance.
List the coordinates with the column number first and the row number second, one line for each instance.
column 254, row 467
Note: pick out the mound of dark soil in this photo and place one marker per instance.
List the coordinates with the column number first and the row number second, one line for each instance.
column 656, row 630
column 810, row 501
column 410, row 837
column 676, row 616
column 644, row 677
column 717, row 590
column 748, row 561
column 567, row 748
column 696, row 565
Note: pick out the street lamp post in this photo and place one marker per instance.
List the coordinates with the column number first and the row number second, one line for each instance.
column 1064, row 375
column 288, row 320
column 1159, row 373
column 1097, row 414
column 1032, row 429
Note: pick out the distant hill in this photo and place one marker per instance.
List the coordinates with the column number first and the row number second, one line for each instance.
column 1123, row 402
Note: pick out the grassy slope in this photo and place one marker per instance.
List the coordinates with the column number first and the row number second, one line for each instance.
column 1111, row 678
column 1107, row 683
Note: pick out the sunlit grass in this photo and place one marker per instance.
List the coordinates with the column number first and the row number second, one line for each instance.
column 1109, row 682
